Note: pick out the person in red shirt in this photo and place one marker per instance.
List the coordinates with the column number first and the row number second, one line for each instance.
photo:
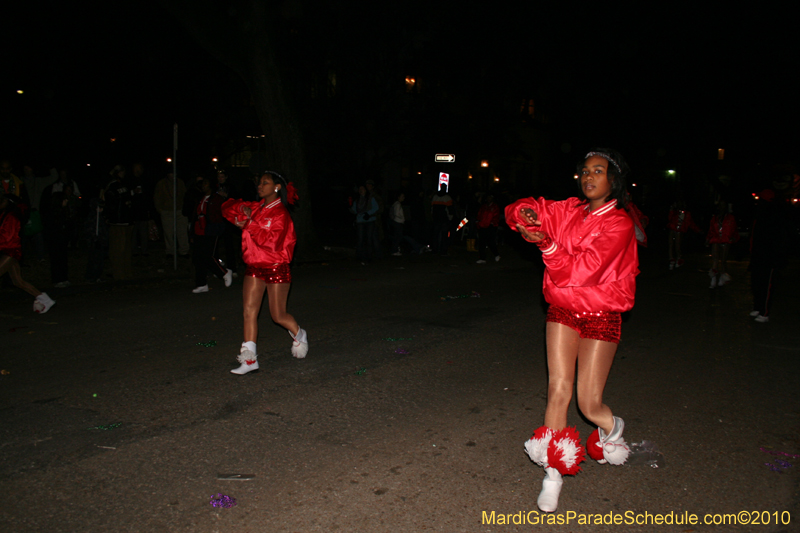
column 268, row 240
column 679, row 223
column 207, row 228
column 488, row 220
column 11, row 251
column 589, row 249
column 722, row 233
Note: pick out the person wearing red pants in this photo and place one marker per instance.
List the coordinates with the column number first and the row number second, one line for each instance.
column 588, row 246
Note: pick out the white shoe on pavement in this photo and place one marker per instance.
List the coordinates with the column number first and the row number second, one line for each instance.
column 551, row 489
column 198, row 290
column 248, row 360
column 762, row 319
column 43, row 303
column 300, row 344
column 480, row 262
column 228, row 278
column 754, row 313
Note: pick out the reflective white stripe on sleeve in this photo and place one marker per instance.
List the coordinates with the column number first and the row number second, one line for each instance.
column 550, row 249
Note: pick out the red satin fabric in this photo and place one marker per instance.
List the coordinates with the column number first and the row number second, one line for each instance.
column 595, row 262
column 681, row 226
column 268, row 238
column 9, row 236
column 727, row 234
column 488, row 215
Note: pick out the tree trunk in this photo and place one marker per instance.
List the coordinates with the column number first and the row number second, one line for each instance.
column 238, row 34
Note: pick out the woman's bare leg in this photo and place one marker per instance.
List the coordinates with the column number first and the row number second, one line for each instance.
column 715, row 257
column 278, row 294
column 252, row 295
column 11, row 265
column 723, row 257
column 594, row 363
column 562, row 352
column 673, row 244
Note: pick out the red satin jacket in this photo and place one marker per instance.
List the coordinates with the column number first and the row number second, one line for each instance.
column 593, row 261
column 488, row 215
column 681, row 225
column 268, row 238
column 722, row 233
column 9, row 234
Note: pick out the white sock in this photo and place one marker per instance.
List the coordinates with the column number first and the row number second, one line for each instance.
column 250, row 345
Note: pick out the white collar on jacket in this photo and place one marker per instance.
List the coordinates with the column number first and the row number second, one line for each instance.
column 603, row 210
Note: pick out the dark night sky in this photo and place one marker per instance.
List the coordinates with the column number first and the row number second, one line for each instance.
column 686, row 82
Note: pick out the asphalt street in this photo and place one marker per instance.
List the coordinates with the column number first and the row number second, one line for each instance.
column 425, row 375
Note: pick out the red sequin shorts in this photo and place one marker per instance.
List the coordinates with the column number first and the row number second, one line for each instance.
column 598, row 325
column 15, row 253
column 279, row 273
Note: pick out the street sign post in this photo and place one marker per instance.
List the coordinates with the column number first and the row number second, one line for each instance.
column 445, row 158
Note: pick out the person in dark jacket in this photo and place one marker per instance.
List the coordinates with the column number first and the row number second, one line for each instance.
column 118, row 199
column 769, row 248
column 232, row 236
column 207, row 230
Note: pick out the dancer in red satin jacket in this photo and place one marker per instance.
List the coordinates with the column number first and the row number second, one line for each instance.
column 722, row 233
column 268, row 240
column 589, row 249
column 679, row 223
column 11, row 251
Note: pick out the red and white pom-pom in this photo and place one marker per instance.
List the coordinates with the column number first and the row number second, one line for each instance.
column 536, row 446
column 291, row 193
column 565, row 452
column 594, row 447
column 247, row 357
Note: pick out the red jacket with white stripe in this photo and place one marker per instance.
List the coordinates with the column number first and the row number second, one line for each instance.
column 9, row 232
column 593, row 261
column 681, row 221
column 488, row 215
column 724, row 232
column 268, row 238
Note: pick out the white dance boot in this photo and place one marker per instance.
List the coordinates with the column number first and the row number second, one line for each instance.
column 248, row 359
column 551, row 488
column 559, row 452
column 610, row 448
column 43, row 303
column 300, row 344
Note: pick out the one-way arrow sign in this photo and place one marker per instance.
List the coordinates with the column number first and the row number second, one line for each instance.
column 445, row 158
